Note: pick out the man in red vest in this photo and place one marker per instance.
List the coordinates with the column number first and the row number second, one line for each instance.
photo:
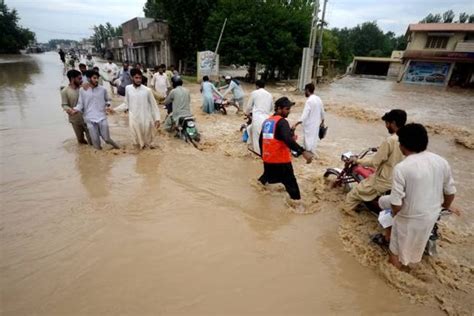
column 276, row 141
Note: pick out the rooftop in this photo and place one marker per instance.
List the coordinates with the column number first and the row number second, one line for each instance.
column 441, row 27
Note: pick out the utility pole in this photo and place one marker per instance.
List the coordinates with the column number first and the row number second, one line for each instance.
column 217, row 46
column 317, row 72
column 306, row 70
column 314, row 25
column 220, row 37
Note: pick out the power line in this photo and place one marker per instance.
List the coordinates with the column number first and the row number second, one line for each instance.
column 59, row 32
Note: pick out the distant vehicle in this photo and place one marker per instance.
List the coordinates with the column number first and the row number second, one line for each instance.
column 435, row 78
column 34, row 50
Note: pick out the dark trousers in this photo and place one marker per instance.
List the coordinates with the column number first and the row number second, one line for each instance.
column 169, row 108
column 281, row 173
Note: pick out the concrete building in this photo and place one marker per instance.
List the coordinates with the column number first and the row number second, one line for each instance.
column 439, row 53
column 144, row 40
column 86, row 46
column 115, row 46
column 380, row 67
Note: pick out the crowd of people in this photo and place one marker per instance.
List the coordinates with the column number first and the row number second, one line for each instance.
column 411, row 181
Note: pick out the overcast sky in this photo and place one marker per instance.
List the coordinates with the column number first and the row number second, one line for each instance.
column 73, row 19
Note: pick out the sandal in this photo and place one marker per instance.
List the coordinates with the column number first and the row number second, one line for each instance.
column 380, row 240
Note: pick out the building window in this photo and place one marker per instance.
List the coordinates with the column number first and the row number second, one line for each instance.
column 437, row 42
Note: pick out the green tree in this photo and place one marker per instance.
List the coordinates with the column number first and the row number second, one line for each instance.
column 365, row 40
column 103, row 32
column 345, row 46
column 13, row 37
column 186, row 20
column 448, row 16
column 330, row 45
column 430, row 18
column 271, row 32
column 369, row 37
column 463, row 17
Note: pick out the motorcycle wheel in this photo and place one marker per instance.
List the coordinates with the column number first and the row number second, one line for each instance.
column 331, row 172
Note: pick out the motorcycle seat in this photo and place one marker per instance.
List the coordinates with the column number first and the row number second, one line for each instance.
column 184, row 119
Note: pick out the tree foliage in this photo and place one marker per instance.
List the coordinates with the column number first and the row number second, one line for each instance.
column 366, row 39
column 103, row 32
column 268, row 32
column 271, row 32
column 186, row 20
column 463, row 17
column 432, row 18
column 448, row 17
column 13, row 37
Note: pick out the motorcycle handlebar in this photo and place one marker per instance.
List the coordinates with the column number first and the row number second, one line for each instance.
column 365, row 152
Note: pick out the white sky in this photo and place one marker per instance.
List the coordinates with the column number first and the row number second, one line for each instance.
column 73, row 19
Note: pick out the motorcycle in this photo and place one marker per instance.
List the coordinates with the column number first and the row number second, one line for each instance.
column 353, row 173
column 186, row 130
column 221, row 104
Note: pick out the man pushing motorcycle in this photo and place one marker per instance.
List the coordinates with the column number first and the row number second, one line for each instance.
column 387, row 156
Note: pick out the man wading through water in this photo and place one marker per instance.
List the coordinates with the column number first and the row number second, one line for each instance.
column 69, row 98
column 93, row 103
column 143, row 112
column 276, row 141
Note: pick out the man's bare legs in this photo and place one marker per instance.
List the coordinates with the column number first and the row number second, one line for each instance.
column 393, row 259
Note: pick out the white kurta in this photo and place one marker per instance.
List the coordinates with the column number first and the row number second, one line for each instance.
column 160, row 83
column 260, row 105
column 142, row 114
column 419, row 183
column 313, row 114
column 111, row 71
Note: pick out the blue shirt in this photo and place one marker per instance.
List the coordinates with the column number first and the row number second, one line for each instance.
column 208, row 88
column 125, row 77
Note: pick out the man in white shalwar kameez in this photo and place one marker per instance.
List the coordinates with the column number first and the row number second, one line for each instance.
column 261, row 106
column 422, row 186
column 143, row 112
column 311, row 118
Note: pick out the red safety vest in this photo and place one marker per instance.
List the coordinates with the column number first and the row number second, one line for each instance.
column 274, row 150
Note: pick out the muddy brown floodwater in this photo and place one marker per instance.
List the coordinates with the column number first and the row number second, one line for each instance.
column 180, row 231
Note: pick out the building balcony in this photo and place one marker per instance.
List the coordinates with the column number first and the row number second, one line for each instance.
column 465, row 46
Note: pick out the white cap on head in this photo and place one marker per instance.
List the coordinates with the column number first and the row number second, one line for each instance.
column 228, row 77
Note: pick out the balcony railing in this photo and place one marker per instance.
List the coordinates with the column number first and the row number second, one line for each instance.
column 466, row 47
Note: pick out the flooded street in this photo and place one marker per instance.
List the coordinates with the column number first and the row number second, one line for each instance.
column 429, row 104
column 180, row 231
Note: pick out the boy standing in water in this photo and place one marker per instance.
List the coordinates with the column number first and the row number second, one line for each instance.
column 93, row 103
